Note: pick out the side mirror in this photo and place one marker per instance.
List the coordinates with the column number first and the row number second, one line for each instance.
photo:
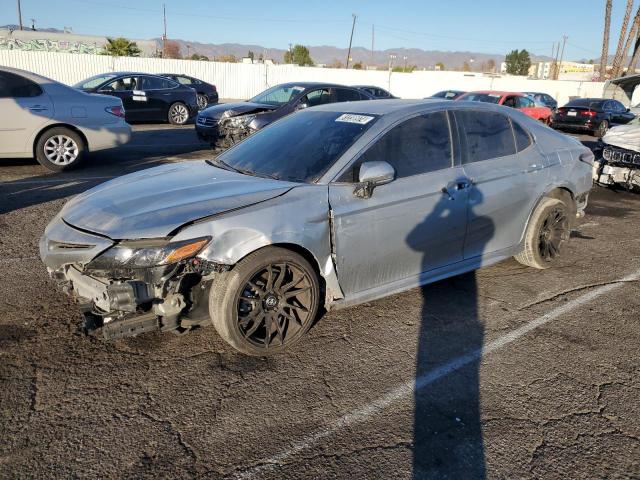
column 373, row 174
column 628, row 110
column 302, row 106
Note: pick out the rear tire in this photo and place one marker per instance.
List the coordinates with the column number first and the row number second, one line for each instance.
column 548, row 229
column 202, row 101
column 266, row 303
column 178, row 114
column 60, row 149
column 603, row 126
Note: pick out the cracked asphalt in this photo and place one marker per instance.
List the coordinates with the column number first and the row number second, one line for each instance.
column 558, row 401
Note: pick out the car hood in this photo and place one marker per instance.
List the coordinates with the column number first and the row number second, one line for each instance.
column 235, row 109
column 624, row 136
column 153, row 203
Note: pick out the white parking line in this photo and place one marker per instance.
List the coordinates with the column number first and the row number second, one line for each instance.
column 408, row 388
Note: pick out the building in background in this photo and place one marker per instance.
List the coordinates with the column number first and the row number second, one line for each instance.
column 43, row 41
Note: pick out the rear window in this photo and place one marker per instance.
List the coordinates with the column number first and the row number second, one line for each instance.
column 299, row 147
column 15, row 86
column 586, row 103
column 482, row 97
column 486, row 135
column 93, row 82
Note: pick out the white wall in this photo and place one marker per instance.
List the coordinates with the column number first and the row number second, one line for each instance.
column 237, row 80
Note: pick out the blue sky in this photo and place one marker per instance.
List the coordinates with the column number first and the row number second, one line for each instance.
column 490, row 26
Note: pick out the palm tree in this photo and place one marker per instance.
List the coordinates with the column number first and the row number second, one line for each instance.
column 121, row 47
column 631, row 38
column 618, row 59
column 605, row 40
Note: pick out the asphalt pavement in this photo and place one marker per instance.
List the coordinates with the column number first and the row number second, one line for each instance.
column 507, row 372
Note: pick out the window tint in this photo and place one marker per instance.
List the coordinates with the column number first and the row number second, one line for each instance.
column 485, row 134
column 419, row 145
column 299, row 147
column 16, row 86
column 523, row 139
column 511, row 102
column 153, row 83
column 344, row 95
column 317, row 97
column 122, row 84
column 524, row 102
column 618, row 107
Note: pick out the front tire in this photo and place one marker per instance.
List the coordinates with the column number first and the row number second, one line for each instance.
column 60, row 149
column 178, row 114
column 266, row 303
column 548, row 229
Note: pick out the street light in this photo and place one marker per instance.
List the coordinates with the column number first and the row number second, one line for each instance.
column 405, row 64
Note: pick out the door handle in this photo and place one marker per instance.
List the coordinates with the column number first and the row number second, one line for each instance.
column 38, row 108
column 464, row 184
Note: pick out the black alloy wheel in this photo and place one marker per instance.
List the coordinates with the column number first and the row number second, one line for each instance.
column 552, row 233
column 275, row 305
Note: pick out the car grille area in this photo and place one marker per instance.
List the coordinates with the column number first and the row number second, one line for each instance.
column 620, row 155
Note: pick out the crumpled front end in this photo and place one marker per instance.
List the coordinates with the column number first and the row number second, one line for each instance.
column 618, row 167
column 127, row 288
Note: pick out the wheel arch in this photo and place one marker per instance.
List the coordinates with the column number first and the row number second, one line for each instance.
column 560, row 192
column 59, row 125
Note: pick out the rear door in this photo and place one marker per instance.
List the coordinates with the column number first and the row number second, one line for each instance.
column 410, row 225
column 25, row 108
column 505, row 181
column 158, row 94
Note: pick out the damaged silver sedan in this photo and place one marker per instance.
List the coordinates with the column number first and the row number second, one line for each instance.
column 332, row 206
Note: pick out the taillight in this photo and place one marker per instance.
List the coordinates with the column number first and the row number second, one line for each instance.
column 561, row 110
column 117, row 110
column 589, row 113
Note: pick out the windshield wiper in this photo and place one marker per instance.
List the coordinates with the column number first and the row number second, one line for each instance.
column 216, row 162
column 219, row 163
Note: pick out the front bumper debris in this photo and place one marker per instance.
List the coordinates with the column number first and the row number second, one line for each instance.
column 618, row 167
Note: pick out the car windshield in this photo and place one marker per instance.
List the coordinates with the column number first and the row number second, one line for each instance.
column 298, row 148
column 482, row 97
column 92, row 82
column 278, row 95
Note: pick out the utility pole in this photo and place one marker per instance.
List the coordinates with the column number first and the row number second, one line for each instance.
column 391, row 58
column 564, row 40
column 164, row 35
column 20, row 15
column 554, row 65
column 404, row 69
column 553, row 51
column 353, row 26
column 372, row 38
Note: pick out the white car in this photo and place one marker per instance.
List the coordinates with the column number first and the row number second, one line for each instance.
column 54, row 123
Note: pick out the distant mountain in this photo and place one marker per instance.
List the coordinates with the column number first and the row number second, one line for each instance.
column 328, row 55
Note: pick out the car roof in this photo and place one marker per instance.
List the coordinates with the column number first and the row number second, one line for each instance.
column 308, row 85
column 498, row 92
column 30, row 75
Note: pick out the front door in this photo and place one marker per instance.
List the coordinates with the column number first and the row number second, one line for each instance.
column 125, row 88
column 412, row 225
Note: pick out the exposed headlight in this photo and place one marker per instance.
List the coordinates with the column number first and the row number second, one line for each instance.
column 147, row 253
column 241, row 121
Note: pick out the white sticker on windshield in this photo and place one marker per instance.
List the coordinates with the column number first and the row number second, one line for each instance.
column 353, row 118
column 495, row 95
column 297, row 89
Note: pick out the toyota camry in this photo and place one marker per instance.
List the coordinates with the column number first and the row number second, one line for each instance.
column 330, row 207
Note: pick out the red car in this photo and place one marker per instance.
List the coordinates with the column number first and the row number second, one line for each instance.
column 510, row 99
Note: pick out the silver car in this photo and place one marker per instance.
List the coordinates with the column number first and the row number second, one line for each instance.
column 55, row 123
column 332, row 206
